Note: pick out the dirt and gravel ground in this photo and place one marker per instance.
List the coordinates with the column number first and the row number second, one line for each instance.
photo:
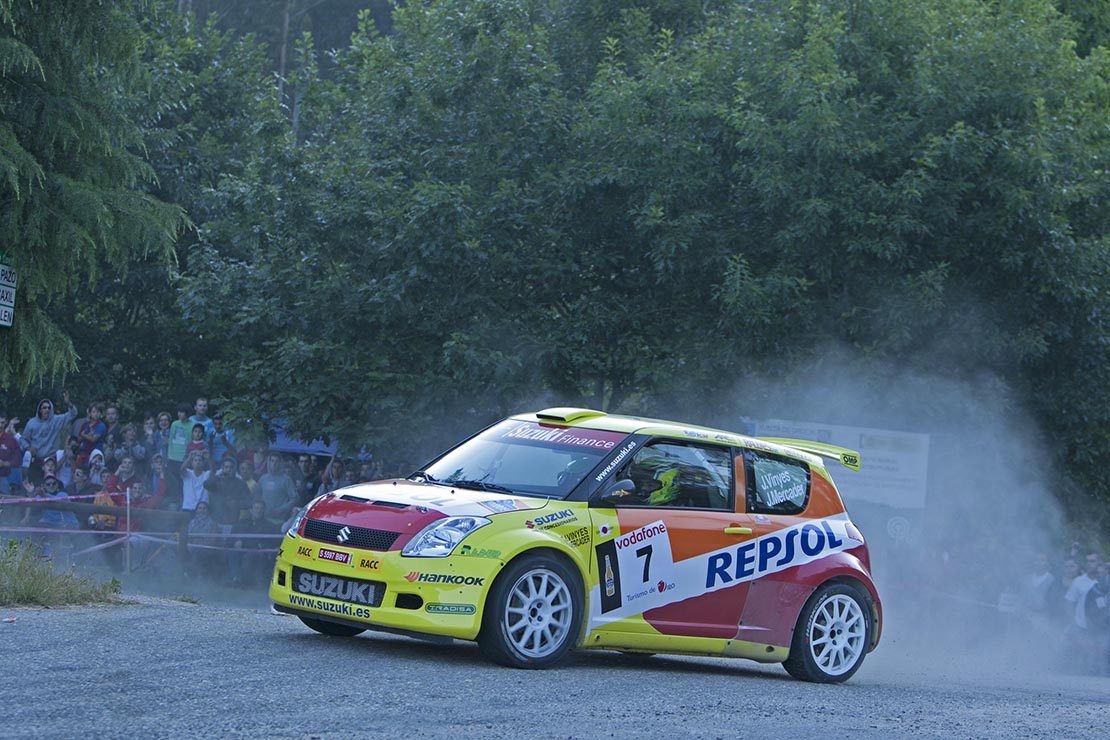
column 161, row 668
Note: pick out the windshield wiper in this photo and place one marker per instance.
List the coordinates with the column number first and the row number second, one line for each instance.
column 428, row 477
column 479, row 485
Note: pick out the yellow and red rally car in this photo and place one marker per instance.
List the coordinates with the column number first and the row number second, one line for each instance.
column 573, row 528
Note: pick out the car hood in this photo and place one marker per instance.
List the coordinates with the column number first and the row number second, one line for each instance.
column 406, row 507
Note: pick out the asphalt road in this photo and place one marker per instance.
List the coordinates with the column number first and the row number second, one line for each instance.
column 163, row 668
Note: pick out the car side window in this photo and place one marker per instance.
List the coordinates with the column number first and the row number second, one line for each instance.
column 776, row 484
column 688, row 476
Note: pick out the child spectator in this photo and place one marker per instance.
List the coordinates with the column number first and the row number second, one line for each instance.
column 197, row 445
column 98, row 474
column 103, row 521
column 193, row 477
column 90, row 434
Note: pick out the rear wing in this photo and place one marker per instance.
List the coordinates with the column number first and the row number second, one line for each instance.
column 848, row 458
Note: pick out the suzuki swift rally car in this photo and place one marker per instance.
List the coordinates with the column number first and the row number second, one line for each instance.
column 572, row 528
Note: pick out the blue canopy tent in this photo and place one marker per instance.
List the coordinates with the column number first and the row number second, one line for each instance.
column 284, row 443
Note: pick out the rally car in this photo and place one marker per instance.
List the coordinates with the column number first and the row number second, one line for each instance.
column 572, row 528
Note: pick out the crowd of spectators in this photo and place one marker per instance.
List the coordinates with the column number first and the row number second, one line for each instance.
column 1072, row 604
column 190, row 462
column 1052, row 606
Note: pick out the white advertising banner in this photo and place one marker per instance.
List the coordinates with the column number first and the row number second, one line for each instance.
column 893, row 465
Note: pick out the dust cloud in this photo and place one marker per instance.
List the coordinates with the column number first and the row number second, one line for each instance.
column 951, row 569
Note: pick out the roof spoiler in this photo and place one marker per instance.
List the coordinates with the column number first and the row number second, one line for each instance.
column 567, row 414
column 848, row 458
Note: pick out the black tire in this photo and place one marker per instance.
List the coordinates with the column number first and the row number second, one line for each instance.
column 832, row 636
column 533, row 613
column 325, row 627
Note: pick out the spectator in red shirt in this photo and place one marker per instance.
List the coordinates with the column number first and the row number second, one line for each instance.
column 11, row 457
column 124, row 477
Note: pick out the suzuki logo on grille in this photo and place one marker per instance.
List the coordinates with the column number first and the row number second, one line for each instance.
column 344, row 535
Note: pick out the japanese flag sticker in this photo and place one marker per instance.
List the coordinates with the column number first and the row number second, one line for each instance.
column 603, row 530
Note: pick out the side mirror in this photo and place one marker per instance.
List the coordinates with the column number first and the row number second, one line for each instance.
column 617, row 492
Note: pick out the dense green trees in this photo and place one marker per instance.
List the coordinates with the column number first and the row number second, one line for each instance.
column 631, row 205
column 74, row 198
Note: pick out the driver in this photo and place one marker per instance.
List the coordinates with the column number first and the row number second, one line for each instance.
column 654, row 486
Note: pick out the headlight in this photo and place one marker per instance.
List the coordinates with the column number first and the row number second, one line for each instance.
column 439, row 539
column 292, row 531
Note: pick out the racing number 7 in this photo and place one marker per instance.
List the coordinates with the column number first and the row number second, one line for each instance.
column 645, row 553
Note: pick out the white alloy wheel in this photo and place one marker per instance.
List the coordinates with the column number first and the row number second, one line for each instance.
column 533, row 613
column 832, row 635
column 538, row 613
column 838, row 634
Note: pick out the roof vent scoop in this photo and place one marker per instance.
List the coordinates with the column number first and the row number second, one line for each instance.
column 566, row 414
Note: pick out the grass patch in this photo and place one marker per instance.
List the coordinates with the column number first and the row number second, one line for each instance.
column 27, row 579
column 185, row 599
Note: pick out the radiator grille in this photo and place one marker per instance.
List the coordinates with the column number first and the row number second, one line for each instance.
column 359, row 538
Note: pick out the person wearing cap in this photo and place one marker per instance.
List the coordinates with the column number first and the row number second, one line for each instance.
column 52, row 488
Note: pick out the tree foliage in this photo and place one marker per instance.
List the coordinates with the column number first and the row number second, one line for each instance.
column 74, row 184
column 631, row 205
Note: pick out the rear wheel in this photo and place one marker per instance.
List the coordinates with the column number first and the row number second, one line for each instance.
column 533, row 613
column 832, row 635
column 330, row 628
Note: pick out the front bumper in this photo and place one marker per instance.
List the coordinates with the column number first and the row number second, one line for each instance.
column 428, row 596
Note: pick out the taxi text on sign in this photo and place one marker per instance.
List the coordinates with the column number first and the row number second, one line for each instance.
column 8, row 280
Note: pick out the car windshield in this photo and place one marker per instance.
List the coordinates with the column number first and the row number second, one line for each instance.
column 524, row 457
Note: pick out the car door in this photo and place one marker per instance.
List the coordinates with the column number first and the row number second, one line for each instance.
column 676, row 504
column 777, row 492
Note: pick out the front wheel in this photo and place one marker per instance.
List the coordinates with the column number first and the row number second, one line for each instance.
column 831, row 637
column 330, row 628
column 533, row 613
